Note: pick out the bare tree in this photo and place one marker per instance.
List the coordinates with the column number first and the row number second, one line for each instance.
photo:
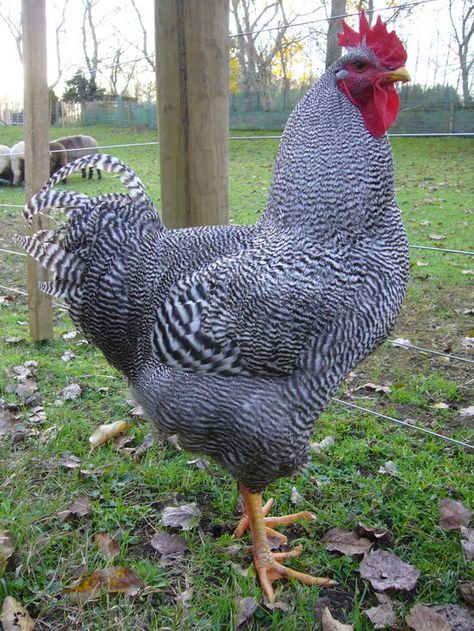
column 58, row 33
column 118, row 74
column 333, row 50
column 89, row 34
column 13, row 23
column 256, row 54
column 143, row 48
column 463, row 33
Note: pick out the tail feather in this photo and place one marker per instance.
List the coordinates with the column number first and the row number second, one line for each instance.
column 54, row 258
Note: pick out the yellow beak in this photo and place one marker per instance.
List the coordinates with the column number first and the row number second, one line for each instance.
column 400, row 74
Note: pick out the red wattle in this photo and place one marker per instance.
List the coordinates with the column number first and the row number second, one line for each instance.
column 379, row 106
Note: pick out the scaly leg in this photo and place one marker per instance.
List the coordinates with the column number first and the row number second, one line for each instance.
column 266, row 562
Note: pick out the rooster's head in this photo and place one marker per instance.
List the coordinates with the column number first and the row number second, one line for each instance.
column 367, row 73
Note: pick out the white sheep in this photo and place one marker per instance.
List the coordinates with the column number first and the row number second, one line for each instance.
column 17, row 156
column 5, row 168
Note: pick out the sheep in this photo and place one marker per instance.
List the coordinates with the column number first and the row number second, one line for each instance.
column 57, row 159
column 5, row 167
column 78, row 146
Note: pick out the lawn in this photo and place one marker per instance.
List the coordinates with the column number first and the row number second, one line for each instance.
column 342, row 485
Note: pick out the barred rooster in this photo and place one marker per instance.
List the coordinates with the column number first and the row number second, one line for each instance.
column 235, row 338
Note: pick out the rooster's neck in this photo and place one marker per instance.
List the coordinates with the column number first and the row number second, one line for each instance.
column 331, row 175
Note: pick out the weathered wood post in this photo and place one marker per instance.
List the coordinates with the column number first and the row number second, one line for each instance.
column 193, row 110
column 36, row 135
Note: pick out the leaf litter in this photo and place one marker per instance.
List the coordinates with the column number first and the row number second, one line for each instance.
column 467, row 542
column 185, row 516
column 7, row 548
column 107, row 545
column 346, row 541
column 453, row 514
column 168, row 545
column 79, row 508
column 385, row 570
column 114, row 579
column 245, row 609
column 15, row 617
column 382, row 615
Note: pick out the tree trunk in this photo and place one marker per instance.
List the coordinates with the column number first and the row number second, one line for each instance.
column 333, row 50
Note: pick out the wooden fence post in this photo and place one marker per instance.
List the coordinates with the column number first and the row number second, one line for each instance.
column 36, row 135
column 193, row 110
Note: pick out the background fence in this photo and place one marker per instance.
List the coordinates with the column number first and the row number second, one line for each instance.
column 247, row 111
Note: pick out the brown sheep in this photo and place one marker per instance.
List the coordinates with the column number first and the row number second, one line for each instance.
column 79, row 146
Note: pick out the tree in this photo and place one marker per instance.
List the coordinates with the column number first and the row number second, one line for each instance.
column 463, row 33
column 333, row 50
column 80, row 89
column 13, row 23
column 256, row 52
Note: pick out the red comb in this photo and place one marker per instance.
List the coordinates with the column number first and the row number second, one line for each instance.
column 387, row 46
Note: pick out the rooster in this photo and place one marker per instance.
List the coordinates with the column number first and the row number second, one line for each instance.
column 235, row 338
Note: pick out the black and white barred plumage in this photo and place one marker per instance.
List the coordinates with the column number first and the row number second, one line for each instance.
column 235, row 338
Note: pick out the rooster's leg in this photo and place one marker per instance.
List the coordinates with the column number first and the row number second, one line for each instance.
column 266, row 562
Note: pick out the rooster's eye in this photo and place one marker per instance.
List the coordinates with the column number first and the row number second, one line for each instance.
column 359, row 66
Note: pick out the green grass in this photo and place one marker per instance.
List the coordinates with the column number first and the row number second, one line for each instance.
column 342, row 485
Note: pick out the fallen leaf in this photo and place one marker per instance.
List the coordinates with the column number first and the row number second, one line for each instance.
column 421, row 264
column 37, row 415
column 440, row 406
column 425, row 222
column 469, row 272
column 114, row 579
column 373, row 387
column 14, row 339
column 323, row 445
column 468, row 343
column 423, row 618
column 246, row 607
column 10, row 422
column 459, row 618
column 7, row 547
column 25, row 389
column 295, row 497
column 467, row 592
column 402, row 343
column 108, row 546
column 345, row 541
column 70, row 335
column 437, row 237
column 69, row 461
column 389, row 468
column 184, row 516
column 146, row 444
column 199, row 463
column 137, row 410
column 383, row 615
column 453, row 514
column 69, row 393
column 467, row 542
column 108, row 431
column 280, row 605
column 385, row 570
column 79, row 508
column 184, row 597
column 67, row 356
column 169, row 545
column 328, row 623
column 381, row 535
column 469, row 411
column 15, row 617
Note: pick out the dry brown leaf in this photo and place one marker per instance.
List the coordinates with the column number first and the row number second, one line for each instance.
column 385, row 570
column 423, row 618
column 467, row 592
column 79, row 508
column 328, row 623
column 7, row 547
column 460, row 618
column 67, row 356
column 381, row 535
column 15, row 617
column 169, row 545
column 323, row 445
column 468, row 343
column 295, row 497
column 108, row 546
column 70, row 335
column 382, row 615
column 453, row 514
column 106, row 432
column 69, row 393
column 373, row 387
column 440, row 406
column 114, row 579
column 437, row 237
column 184, row 516
column 469, row 411
column 468, row 272
column 25, row 390
column 280, row 605
column 14, row 339
column 467, row 542
column 346, row 541
column 246, row 607
column 200, row 463
column 146, row 444
column 69, row 461
column 10, row 421
column 37, row 415
column 389, row 468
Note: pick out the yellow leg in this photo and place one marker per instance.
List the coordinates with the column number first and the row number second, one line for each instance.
column 266, row 562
